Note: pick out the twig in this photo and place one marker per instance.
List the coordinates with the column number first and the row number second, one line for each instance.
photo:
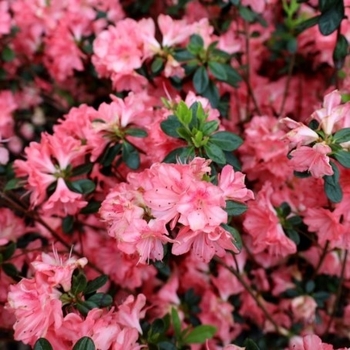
column 289, row 78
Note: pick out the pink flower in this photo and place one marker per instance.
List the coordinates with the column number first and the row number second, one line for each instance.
column 313, row 159
column 232, row 184
column 262, row 223
column 131, row 311
column 37, row 308
column 300, row 133
column 308, row 342
column 332, row 112
column 55, row 270
column 304, row 308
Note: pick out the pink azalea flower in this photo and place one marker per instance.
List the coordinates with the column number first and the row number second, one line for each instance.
column 37, row 308
column 332, row 112
column 262, row 223
column 232, row 184
column 304, row 308
column 308, row 342
column 313, row 159
column 55, row 270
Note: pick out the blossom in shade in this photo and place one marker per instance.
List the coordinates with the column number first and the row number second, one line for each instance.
column 313, row 159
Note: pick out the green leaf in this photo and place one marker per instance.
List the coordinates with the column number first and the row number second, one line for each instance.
column 250, row 345
column 110, row 154
column 85, row 306
column 182, row 55
column 176, row 323
column 310, row 286
column 12, row 184
column 235, row 208
column 209, row 127
column 130, row 156
column 226, row 140
column 307, row 24
column 233, row 161
column 247, row 14
column 200, row 334
column 330, row 19
column 232, row 75
column 166, row 345
column 342, row 135
column 183, row 113
column 341, row 50
column 9, row 269
column 79, row 283
column 83, row 186
column 68, row 224
column 42, row 344
column 8, row 250
column 236, row 237
column 293, row 235
column 212, row 94
column 92, row 207
column 157, row 65
column 84, row 343
column 7, row 54
column 170, row 126
column 332, row 187
column 343, row 157
column 196, row 40
column 200, row 79
column 136, row 132
column 181, row 153
column 215, row 153
column 82, row 169
column 101, row 299
column 95, row 284
column 218, row 70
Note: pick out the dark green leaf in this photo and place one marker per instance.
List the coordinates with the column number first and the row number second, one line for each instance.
column 196, row 40
column 200, row 334
column 95, row 284
column 215, row 153
column 84, row 343
column 343, row 157
column 130, row 156
column 8, row 250
column 212, row 94
column 326, row 5
column 79, row 283
column 236, row 237
column 182, row 55
column 232, row 75
column 170, row 125
column 302, row 174
column 226, row 140
column 250, row 345
column 12, row 184
column 310, row 286
column 307, row 24
column 42, row 344
column 209, row 127
column 101, row 299
column 293, row 235
column 179, row 153
column 157, row 65
column 83, row 186
column 218, row 70
column 68, row 224
column 82, row 169
column 235, row 2
column 136, row 132
column 110, row 154
column 7, row 54
column 341, row 50
column 247, row 14
column 233, row 161
column 24, row 240
column 9, row 269
column 235, row 208
column 200, row 79
column 332, row 186
column 330, row 20
column 342, row 135
column 92, row 207
column 166, row 345
column 85, row 306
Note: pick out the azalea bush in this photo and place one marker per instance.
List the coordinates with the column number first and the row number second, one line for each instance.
column 175, row 174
